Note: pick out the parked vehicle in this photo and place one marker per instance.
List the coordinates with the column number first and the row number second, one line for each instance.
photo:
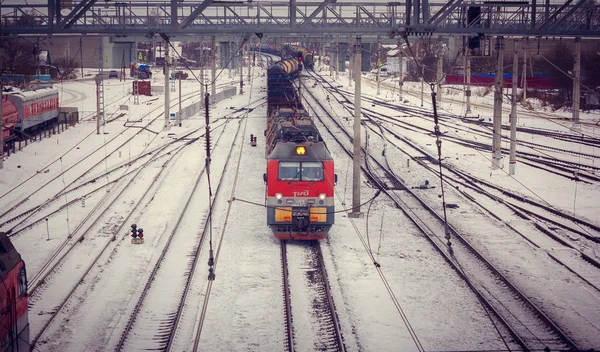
column 113, row 74
column 179, row 75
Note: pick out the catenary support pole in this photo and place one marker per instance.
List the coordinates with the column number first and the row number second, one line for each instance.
column 167, row 91
column 337, row 57
column 497, row 133
column 378, row 64
column 577, row 81
column 202, row 67
column 468, row 79
column 351, row 66
column 179, row 115
column 357, row 133
column 240, row 58
column 213, row 63
column 524, row 75
column 440, row 73
column 331, row 58
column 401, row 73
column 513, row 111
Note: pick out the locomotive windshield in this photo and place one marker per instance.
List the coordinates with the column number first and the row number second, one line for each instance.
column 312, row 171
column 300, row 171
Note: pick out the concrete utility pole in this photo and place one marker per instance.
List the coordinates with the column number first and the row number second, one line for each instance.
column 513, row 112
column 357, row 133
column 99, row 86
column 378, row 62
column 496, row 140
column 468, row 79
column 524, row 76
column 422, row 84
column 351, row 67
column 179, row 116
column 337, row 57
column 167, row 94
column 1, row 124
column 440, row 73
column 331, row 56
column 240, row 58
column 202, row 59
column 213, row 63
column 230, row 58
column 401, row 74
column 249, row 63
column 577, row 81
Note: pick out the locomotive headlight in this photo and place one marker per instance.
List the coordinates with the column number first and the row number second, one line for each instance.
column 278, row 195
column 300, row 150
column 322, row 196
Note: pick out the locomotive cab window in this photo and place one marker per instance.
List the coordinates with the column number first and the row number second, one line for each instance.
column 22, row 281
column 312, row 171
column 289, row 171
column 300, row 171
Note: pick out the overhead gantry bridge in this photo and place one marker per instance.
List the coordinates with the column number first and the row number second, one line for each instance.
column 570, row 18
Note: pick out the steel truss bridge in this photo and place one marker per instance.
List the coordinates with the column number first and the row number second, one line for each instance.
column 567, row 18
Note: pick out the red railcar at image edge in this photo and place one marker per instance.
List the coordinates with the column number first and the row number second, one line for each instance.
column 14, row 321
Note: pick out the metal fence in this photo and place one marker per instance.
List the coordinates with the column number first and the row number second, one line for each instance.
column 195, row 108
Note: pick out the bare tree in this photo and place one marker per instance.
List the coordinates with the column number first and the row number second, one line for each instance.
column 66, row 68
column 15, row 52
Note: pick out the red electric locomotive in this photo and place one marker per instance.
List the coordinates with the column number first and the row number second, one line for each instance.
column 300, row 172
column 14, row 322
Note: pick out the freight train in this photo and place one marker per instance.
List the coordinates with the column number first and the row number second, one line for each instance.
column 300, row 174
column 14, row 321
column 24, row 112
column 288, row 51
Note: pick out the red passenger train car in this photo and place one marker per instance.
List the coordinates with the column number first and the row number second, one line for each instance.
column 300, row 174
column 14, row 321
column 26, row 111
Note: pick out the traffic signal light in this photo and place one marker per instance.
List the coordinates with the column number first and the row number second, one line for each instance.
column 474, row 42
column 473, row 16
column 134, row 231
column 140, row 232
column 300, row 56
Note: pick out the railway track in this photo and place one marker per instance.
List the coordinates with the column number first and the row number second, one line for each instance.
column 155, row 310
column 544, row 223
column 60, row 259
column 308, row 298
column 30, row 195
column 560, row 167
column 506, row 111
column 529, row 326
column 62, row 256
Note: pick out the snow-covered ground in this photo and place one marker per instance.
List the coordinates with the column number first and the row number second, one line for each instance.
column 245, row 307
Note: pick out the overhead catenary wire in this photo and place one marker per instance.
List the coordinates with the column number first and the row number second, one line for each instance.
column 215, row 259
column 502, row 170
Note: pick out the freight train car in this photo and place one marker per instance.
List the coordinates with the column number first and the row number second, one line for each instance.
column 281, row 91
